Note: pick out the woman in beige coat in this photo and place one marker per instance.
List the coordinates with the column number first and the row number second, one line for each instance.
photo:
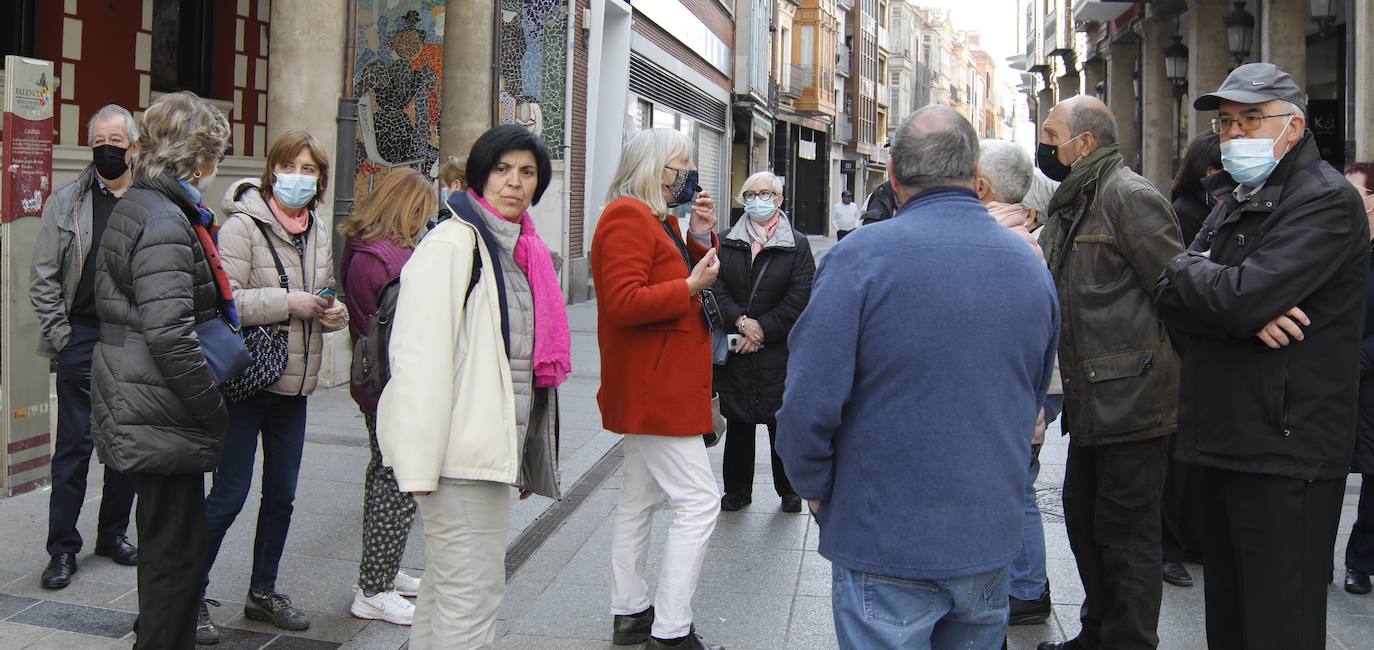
column 268, row 221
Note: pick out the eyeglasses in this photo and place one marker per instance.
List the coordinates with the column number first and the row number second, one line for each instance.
column 765, row 195
column 1248, row 122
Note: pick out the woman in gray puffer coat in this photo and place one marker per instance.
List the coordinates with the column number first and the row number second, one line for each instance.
column 156, row 415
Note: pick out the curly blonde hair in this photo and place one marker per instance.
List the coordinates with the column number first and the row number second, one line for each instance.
column 180, row 133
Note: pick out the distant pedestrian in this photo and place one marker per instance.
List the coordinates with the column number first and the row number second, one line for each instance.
column 479, row 345
column 1107, row 235
column 270, row 227
column 380, row 239
column 656, row 381
column 1004, row 178
column 1271, row 300
column 1191, row 201
column 882, row 204
column 156, row 414
column 763, row 286
column 1359, row 551
column 844, row 216
column 912, row 446
column 63, row 295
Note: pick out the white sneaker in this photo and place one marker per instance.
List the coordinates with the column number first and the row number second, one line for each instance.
column 386, row 606
column 406, row 584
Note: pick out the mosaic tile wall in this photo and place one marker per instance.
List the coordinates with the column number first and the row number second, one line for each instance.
column 399, row 69
column 533, row 67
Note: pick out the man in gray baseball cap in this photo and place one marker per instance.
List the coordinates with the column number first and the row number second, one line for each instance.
column 1269, row 301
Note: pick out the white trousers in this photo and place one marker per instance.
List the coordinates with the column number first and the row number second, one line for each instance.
column 655, row 467
column 465, row 566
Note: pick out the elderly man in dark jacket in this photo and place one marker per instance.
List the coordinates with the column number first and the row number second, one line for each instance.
column 62, row 291
column 1271, row 298
column 1108, row 234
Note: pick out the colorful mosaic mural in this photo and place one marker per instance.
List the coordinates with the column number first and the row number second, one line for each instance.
column 533, row 67
column 399, row 70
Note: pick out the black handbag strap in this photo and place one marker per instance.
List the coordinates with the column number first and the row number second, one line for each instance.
column 281, row 270
column 681, row 247
column 757, row 280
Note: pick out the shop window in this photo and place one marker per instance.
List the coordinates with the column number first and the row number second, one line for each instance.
column 16, row 28
column 183, row 45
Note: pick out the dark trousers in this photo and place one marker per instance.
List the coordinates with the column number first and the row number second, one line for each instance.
column 1182, row 510
column 739, row 459
column 1267, row 558
column 71, row 457
column 281, row 422
column 1359, row 552
column 171, row 556
column 1111, row 510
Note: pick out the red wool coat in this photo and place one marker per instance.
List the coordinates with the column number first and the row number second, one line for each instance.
column 655, row 345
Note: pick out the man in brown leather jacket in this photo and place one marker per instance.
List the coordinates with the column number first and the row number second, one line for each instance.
column 1108, row 234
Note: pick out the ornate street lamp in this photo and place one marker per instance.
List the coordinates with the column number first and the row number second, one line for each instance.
column 1323, row 13
column 1240, row 29
column 1176, row 65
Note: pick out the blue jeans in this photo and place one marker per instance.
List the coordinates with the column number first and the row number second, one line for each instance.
column 878, row 612
column 1028, row 577
column 281, row 421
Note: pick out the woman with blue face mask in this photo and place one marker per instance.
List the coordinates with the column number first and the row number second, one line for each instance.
column 764, row 283
column 279, row 260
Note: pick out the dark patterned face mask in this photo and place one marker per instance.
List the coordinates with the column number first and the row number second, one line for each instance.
column 684, row 186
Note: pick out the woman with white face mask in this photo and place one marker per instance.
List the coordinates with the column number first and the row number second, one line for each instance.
column 279, row 259
column 764, row 284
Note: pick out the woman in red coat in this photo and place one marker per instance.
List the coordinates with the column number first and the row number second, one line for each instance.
column 656, row 380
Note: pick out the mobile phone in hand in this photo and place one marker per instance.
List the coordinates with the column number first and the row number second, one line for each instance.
column 328, row 294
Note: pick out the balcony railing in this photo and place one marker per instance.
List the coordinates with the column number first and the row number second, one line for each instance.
column 883, row 42
column 843, row 67
column 884, row 95
column 796, row 80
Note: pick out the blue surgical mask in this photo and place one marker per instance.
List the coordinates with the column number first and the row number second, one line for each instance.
column 760, row 210
column 294, row 190
column 1249, row 161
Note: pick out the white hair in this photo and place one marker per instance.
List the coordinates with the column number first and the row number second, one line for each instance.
column 1295, row 109
column 640, row 174
column 774, row 184
column 1007, row 169
column 109, row 112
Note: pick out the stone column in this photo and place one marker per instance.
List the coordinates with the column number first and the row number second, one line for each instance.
column 1043, row 106
column 468, row 69
column 1157, row 157
column 1121, row 97
column 1068, row 85
column 1283, row 37
column 1362, row 81
column 1209, row 61
column 305, row 72
column 1094, row 72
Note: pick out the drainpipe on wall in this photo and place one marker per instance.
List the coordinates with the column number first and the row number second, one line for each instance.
column 571, row 51
column 346, row 146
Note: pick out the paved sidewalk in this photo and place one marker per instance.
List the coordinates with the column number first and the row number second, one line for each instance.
column 763, row 586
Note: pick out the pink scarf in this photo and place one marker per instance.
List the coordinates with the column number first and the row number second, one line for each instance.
column 759, row 233
column 552, row 337
column 293, row 225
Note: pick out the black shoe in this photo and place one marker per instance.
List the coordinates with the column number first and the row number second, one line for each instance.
column 118, row 550
column 690, row 642
column 733, row 502
column 1030, row 612
column 60, row 570
column 1177, row 575
column 1356, row 582
column 276, row 609
column 1071, row 644
column 791, row 503
column 632, row 629
column 207, row 633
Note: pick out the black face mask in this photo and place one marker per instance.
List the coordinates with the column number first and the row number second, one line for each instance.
column 109, row 161
column 684, row 187
column 1047, row 159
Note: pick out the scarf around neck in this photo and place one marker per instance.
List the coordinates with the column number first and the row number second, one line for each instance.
column 208, row 234
column 1071, row 200
column 552, row 337
column 293, row 225
column 759, row 233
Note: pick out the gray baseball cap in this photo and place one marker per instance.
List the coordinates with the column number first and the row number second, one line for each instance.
column 1254, row 83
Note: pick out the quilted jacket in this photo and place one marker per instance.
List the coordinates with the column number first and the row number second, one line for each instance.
column 154, row 407
column 257, row 292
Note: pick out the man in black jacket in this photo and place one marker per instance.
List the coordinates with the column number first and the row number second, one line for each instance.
column 1271, row 300
column 882, row 204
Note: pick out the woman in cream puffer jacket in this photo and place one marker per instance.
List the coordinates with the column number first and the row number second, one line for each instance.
column 273, row 214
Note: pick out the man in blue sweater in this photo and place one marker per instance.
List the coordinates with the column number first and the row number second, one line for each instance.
column 916, row 375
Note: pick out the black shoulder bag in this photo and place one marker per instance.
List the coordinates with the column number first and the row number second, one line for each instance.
column 266, row 344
